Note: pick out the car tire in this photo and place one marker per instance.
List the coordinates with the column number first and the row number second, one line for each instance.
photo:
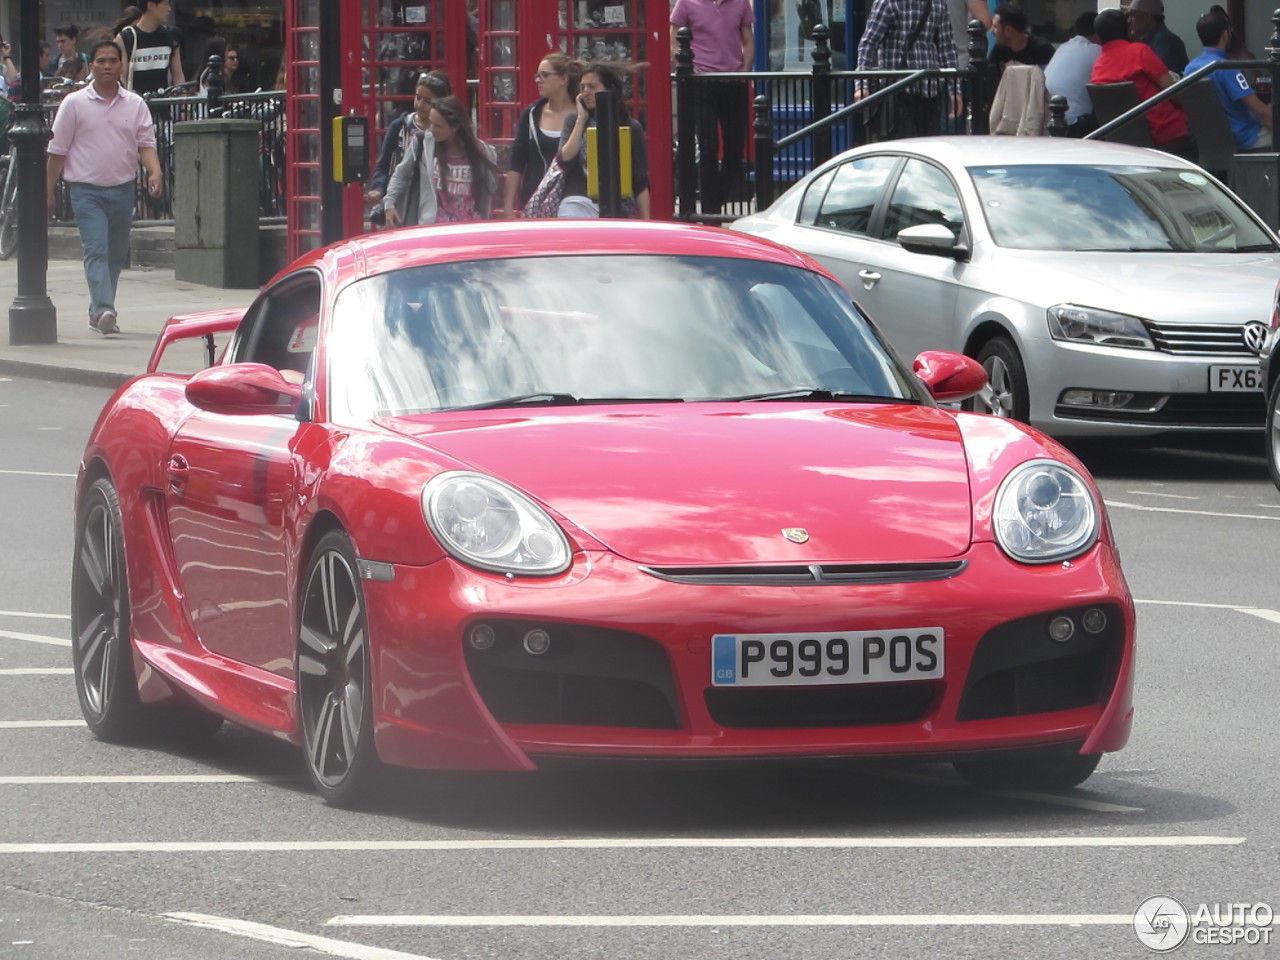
column 1005, row 394
column 1042, row 770
column 335, row 686
column 1273, row 432
column 102, row 655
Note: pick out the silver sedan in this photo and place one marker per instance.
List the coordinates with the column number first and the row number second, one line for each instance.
column 1108, row 290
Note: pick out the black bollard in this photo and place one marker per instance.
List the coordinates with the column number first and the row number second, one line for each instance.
column 215, row 84
column 607, row 160
column 762, row 128
column 1058, row 125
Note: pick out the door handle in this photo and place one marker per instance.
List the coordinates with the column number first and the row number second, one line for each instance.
column 869, row 278
column 179, row 473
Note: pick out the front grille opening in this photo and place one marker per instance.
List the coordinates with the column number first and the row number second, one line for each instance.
column 814, row 574
column 1227, row 409
column 1018, row 670
column 855, row 705
column 587, row 677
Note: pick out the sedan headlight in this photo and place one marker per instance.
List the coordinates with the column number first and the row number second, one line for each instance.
column 1100, row 327
column 1045, row 512
column 487, row 524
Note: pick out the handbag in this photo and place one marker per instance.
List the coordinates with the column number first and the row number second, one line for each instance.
column 545, row 200
column 408, row 206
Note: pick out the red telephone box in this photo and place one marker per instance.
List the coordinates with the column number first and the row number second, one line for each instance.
column 383, row 45
column 516, row 34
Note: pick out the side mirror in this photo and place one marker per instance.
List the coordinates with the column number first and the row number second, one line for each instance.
column 243, row 388
column 949, row 376
column 932, row 239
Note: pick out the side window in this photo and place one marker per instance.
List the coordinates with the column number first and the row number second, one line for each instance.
column 280, row 329
column 923, row 194
column 813, row 198
column 852, row 198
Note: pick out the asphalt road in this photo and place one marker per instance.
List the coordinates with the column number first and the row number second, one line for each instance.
column 146, row 852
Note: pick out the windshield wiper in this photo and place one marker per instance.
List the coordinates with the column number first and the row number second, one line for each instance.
column 562, row 400
column 812, row 394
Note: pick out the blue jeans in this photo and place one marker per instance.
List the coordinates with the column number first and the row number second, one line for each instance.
column 104, row 216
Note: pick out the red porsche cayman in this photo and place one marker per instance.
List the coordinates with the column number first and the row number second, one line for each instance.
column 466, row 497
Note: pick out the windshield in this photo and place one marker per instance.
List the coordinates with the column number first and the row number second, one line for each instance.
column 1129, row 208
column 584, row 329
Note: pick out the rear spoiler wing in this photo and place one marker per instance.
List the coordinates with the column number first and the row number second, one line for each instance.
column 192, row 325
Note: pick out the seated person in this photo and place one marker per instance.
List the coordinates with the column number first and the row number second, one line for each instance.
column 1013, row 43
column 1250, row 118
column 1069, row 71
column 1146, row 25
column 1121, row 61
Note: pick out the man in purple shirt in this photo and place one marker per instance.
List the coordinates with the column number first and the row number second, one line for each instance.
column 99, row 135
column 723, row 42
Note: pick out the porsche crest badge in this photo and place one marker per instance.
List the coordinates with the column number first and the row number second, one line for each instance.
column 796, row 534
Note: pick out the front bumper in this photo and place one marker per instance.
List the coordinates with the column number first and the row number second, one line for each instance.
column 632, row 675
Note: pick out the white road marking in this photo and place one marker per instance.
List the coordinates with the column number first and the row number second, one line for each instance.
column 612, row 843
column 22, row 614
column 35, row 671
column 157, row 778
column 35, row 473
column 292, row 938
column 1153, row 493
column 1121, row 505
column 1081, row 803
column 36, row 724
column 749, row 920
column 1262, row 612
column 35, row 638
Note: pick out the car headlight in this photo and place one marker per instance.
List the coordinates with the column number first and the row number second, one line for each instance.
column 1101, row 327
column 488, row 524
column 1045, row 512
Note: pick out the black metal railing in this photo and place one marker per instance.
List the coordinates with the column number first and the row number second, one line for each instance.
column 800, row 120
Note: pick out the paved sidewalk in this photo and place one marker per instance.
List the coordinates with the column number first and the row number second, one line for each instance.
column 147, row 297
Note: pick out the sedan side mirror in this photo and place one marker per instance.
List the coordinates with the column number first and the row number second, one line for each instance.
column 950, row 377
column 243, row 388
column 932, row 239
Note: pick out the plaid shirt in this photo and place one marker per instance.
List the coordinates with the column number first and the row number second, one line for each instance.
column 884, row 41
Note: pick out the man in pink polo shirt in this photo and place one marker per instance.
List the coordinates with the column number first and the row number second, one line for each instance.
column 99, row 134
column 723, row 42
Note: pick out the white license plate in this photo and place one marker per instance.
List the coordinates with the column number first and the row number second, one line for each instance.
column 787, row 659
column 1237, row 378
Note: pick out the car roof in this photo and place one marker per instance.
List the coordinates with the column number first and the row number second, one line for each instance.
column 984, row 151
column 389, row 250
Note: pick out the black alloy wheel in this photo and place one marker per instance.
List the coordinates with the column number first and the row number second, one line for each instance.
column 102, row 656
column 1005, row 394
column 1273, row 429
column 334, row 683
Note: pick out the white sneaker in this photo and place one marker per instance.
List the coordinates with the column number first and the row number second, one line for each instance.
column 105, row 322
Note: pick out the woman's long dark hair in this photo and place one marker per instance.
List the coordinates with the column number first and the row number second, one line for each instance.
column 611, row 75
column 459, row 121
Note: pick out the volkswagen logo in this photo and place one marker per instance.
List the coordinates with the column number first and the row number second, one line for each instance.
column 796, row 534
column 1255, row 336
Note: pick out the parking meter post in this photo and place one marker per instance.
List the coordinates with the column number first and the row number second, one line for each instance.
column 821, row 99
column 762, row 129
column 686, row 146
column 1057, row 116
column 608, row 113
column 979, row 108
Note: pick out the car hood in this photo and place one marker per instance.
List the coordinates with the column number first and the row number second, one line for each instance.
column 717, row 483
column 1228, row 288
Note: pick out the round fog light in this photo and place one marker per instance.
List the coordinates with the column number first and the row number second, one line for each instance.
column 537, row 642
column 1094, row 620
column 1061, row 629
column 481, row 637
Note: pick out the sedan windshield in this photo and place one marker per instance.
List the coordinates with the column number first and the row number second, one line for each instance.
column 600, row 329
column 1113, row 208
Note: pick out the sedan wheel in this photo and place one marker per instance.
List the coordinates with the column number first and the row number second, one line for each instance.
column 334, row 682
column 1041, row 770
column 1005, row 394
column 1273, row 433
column 101, row 654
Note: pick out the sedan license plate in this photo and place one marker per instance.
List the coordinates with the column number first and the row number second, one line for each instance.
column 1234, row 378
column 785, row 659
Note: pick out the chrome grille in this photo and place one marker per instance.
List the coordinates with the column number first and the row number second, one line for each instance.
column 814, row 574
column 1199, row 339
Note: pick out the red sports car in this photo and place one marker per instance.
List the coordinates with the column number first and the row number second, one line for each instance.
column 465, row 497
